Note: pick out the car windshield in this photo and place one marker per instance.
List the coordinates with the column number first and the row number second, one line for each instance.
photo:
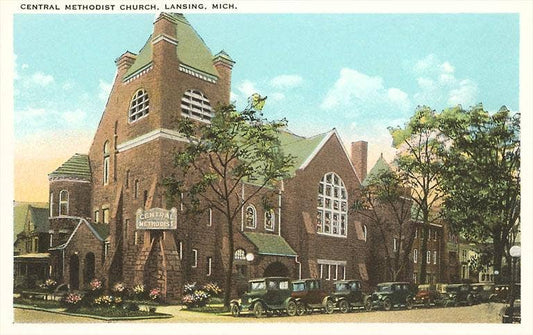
column 342, row 287
column 297, row 287
column 284, row 285
column 257, row 285
column 384, row 288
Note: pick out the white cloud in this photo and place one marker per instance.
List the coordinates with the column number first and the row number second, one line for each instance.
column 29, row 114
column 286, row 81
column 73, row 117
column 439, row 87
column 68, row 85
column 104, row 90
column 247, row 88
column 41, row 79
column 358, row 94
column 25, row 66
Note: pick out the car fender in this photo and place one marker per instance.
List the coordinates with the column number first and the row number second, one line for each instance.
column 255, row 300
column 235, row 301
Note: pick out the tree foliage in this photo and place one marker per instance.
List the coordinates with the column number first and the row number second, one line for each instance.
column 386, row 203
column 420, row 165
column 234, row 148
column 482, row 176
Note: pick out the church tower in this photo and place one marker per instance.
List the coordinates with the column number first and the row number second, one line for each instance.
column 174, row 75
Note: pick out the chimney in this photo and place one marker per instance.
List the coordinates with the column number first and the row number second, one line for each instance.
column 359, row 158
column 224, row 65
column 124, row 62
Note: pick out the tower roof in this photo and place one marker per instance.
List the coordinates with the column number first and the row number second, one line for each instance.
column 191, row 49
column 380, row 166
column 76, row 167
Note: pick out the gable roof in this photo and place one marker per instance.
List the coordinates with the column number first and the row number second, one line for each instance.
column 301, row 148
column 270, row 244
column 21, row 210
column 97, row 229
column 39, row 217
column 76, row 167
column 191, row 49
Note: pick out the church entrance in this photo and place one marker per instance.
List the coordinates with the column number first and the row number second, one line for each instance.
column 276, row 269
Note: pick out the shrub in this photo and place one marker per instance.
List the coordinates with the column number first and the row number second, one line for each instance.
column 189, row 288
column 138, row 291
column 72, row 301
column 119, row 289
column 155, row 294
column 95, row 285
column 49, row 285
column 212, row 289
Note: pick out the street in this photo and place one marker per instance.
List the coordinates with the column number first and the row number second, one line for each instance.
column 482, row 313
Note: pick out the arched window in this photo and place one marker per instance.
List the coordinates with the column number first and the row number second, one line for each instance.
column 240, row 255
column 251, row 217
column 63, row 202
column 51, row 204
column 195, row 104
column 365, row 232
column 139, row 106
column 332, row 208
column 415, row 256
column 106, row 163
column 269, row 220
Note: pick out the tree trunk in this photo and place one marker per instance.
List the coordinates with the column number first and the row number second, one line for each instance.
column 229, row 270
column 423, row 252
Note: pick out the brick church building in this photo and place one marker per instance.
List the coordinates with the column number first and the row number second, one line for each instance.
column 101, row 203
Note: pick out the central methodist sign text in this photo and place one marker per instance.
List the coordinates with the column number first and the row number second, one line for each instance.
column 157, row 218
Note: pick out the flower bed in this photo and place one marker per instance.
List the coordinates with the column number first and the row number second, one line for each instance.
column 42, row 303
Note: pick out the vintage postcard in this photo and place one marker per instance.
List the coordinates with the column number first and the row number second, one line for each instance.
column 285, row 166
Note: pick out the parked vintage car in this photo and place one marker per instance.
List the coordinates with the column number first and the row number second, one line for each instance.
column 501, row 293
column 426, row 295
column 483, row 291
column 266, row 296
column 348, row 295
column 310, row 296
column 388, row 295
column 511, row 314
column 459, row 294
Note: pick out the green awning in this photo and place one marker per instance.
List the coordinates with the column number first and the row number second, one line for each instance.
column 271, row 244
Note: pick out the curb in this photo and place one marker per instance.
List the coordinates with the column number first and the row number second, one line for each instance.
column 105, row 318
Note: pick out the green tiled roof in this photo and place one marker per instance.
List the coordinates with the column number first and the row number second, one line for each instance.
column 76, row 166
column 270, row 244
column 39, row 217
column 380, row 167
column 299, row 147
column 101, row 229
column 191, row 49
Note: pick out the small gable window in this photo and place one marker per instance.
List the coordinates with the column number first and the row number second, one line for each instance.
column 195, row 105
column 139, row 106
column 63, row 202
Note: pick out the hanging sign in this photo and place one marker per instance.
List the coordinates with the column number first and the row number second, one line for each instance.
column 156, row 218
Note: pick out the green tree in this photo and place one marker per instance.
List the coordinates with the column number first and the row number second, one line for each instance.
column 482, row 176
column 420, row 165
column 234, row 148
column 386, row 203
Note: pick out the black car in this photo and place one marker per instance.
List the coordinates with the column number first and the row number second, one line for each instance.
column 501, row 293
column 309, row 296
column 349, row 295
column 388, row 295
column 483, row 291
column 266, row 296
column 459, row 294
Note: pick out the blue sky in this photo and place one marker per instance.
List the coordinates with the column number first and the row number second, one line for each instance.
column 358, row 73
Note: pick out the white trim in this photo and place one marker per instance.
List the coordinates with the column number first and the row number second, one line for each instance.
column 198, row 74
column 209, row 266
column 329, row 261
column 319, row 147
column 143, row 70
column 195, row 258
column 70, row 179
column 151, row 136
column 165, row 38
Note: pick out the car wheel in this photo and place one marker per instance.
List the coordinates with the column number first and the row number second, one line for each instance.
column 387, row 304
column 300, row 309
column 291, row 308
column 259, row 310
column 409, row 303
column 235, row 310
column 329, row 306
column 343, row 306
column 368, row 305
